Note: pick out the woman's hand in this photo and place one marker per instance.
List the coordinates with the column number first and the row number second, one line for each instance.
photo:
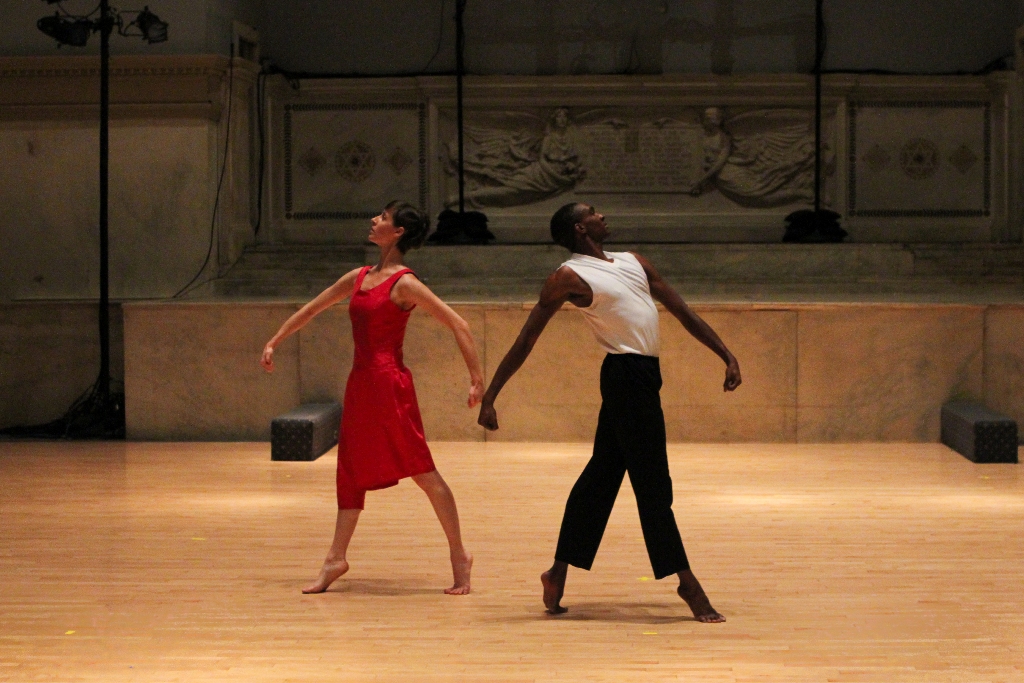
column 267, row 360
column 476, row 393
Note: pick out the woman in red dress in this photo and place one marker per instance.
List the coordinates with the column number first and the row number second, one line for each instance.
column 381, row 437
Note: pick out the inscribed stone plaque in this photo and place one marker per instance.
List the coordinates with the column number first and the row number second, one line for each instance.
column 347, row 161
column 643, row 158
column 753, row 158
column 920, row 159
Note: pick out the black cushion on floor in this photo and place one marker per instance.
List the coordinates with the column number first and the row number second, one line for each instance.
column 305, row 433
column 979, row 434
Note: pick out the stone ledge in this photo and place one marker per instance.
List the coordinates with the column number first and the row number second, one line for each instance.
column 141, row 86
column 813, row 372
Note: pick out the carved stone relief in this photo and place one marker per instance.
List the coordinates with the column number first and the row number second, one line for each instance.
column 919, row 158
column 749, row 159
column 928, row 159
column 345, row 161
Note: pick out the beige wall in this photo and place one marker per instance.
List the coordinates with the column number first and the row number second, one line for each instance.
column 49, row 356
column 169, row 125
column 159, row 208
column 167, row 133
column 872, row 122
column 843, row 372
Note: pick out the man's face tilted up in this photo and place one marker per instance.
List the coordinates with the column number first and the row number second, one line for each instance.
column 593, row 224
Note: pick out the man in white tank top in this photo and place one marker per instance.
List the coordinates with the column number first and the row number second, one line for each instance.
column 616, row 292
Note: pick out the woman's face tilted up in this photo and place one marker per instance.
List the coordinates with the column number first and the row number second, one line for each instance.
column 383, row 231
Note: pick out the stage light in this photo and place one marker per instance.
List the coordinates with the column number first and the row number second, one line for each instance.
column 101, row 411
column 153, row 29
column 69, row 29
column 66, row 31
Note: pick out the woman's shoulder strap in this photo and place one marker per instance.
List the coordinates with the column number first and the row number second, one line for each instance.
column 360, row 277
column 402, row 272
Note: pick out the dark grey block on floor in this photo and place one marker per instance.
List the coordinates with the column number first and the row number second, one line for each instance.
column 979, row 434
column 305, row 433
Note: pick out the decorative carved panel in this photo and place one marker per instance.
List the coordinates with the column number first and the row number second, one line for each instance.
column 344, row 161
column 920, row 159
column 743, row 158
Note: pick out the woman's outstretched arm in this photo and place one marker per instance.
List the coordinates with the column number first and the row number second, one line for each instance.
column 339, row 291
column 408, row 292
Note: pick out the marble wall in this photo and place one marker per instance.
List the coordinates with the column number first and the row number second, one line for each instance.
column 338, row 149
column 1004, row 360
column 159, row 208
column 672, row 158
column 812, row 373
column 191, row 370
column 168, row 126
column 49, row 356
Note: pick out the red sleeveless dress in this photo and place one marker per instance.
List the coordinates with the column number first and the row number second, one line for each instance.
column 381, row 437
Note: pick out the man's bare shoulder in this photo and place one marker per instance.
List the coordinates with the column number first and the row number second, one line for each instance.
column 563, row 285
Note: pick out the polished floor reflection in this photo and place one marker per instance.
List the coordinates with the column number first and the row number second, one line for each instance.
column 183, row 562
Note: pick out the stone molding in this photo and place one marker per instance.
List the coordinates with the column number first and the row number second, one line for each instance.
column 811, row 369
column 141, row 86
column 676, row 88
column 843, row 94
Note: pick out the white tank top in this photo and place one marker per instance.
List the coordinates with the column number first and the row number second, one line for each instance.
column 622, row 316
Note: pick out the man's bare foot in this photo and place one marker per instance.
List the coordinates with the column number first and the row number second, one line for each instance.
column 690, row 590
column 461, row 568
column 554, row 585
column 329, row 573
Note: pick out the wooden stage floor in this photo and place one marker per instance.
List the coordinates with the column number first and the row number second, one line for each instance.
column 183, row 562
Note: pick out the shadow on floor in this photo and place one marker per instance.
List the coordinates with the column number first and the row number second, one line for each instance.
column 381, row 587
column 622, row 612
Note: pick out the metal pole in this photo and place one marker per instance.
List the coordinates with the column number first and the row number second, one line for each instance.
column 819, row 49
column 104, row 312
column 460, row 67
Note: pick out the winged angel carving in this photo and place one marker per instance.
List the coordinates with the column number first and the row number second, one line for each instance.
column 760, row 158
column 506, row 166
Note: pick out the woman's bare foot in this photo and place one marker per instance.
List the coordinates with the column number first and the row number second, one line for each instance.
column 553, row 581
column 690, row 590
column 461, row 567
column 329, row 573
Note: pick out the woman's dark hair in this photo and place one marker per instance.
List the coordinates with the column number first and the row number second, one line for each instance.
column 405, row 215
column 563, row 225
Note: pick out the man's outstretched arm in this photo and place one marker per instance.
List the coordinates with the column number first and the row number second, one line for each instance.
column 561, row 286
column 694, row 324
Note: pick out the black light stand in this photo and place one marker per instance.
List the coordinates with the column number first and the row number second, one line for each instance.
column 460, row 70
column 817, row 225
column 462, row 227
column 819, row 55
column 106, row 26
column 99, row 413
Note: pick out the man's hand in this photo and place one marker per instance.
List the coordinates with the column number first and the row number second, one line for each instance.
column 488, row 417
column 732, row 376
column 267, row 360
column 561, row 286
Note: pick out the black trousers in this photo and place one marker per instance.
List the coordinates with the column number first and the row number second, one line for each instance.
column 630, row 438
